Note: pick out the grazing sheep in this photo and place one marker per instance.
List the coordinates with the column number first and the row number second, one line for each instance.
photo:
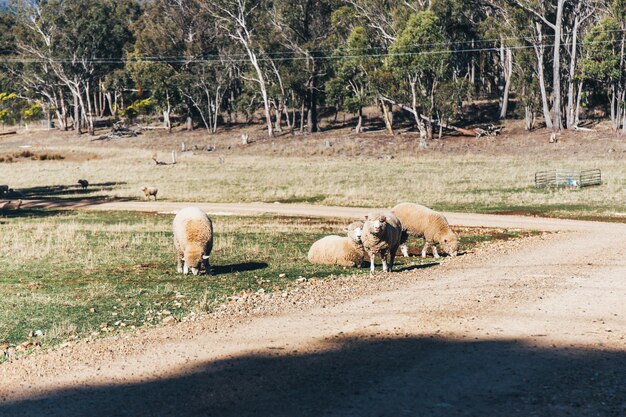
column 84, row 184
column 382, row 235
column 423, row 222
column 150, row 191
column 339, row 250
column 12, row 205
column 193, row 240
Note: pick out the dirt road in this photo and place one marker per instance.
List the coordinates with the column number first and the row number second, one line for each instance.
column 523, row 328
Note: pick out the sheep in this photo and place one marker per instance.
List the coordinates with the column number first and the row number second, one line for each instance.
column 12, row 205
column 193, row 240
column 150, row 191
column 84, row 184
column 423, row 222
column 382, row 235
column 4, row 189
column 339, row 250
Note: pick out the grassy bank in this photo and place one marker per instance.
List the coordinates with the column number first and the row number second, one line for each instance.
column 72, row 274
column 473, row 183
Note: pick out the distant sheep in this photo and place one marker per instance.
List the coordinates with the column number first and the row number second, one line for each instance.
column 4, row 189
column 193, row 240
column 12, row 205
column 382, row 235
column 339, row 250
column 420, row 221
column 84, row 184
column 150, row 192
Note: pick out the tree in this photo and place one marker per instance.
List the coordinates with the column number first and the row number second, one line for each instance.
column 420, row 57
column 304, row 27
column 604, row 65
column 354, row 69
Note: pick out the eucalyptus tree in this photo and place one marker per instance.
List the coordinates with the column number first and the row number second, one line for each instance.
column 74, row 43
column 420, row 59
column 305, row 26
column 355, row 67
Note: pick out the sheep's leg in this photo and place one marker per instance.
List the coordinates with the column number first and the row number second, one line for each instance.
column 405, row 250
column 383, row 258
column 207, row 266
column 179, row 264
column 425, row 249
column 372, row 259
column 392, row 257
column 185, row 268
column 435, row 254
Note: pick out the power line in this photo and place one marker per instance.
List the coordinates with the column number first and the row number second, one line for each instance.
column 182, row 60
column 208, row 57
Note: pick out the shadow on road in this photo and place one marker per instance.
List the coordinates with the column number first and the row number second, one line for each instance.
column 42, row 201
column 397, row 377
column 242, row 267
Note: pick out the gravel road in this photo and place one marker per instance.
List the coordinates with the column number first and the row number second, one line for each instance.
column 534, row 327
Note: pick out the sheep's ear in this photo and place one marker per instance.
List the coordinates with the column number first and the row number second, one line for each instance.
column 383, row 219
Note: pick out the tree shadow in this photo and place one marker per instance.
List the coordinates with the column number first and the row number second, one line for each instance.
column 241, row 267
column 59, row 191
column 365, row 377
column 401, row 268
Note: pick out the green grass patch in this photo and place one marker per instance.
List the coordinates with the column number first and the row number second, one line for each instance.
column 70, row 274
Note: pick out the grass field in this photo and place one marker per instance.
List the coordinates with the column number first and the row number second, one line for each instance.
column 473, row 183
column 73, row 274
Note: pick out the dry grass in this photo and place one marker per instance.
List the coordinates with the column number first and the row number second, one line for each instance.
column 73, row 273
column 356, row 171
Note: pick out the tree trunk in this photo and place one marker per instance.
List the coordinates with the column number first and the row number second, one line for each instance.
column 76, row 114
column 418, row 121
column 578, row 98
column 312, row 106
column 359, row 125
column 539, row 51
column 166, row 114
column 571, row 111
column 387, row 117
column 557, row 121
column 302, row 117
column 506, row 55
column 63, row 110
column 90, row 111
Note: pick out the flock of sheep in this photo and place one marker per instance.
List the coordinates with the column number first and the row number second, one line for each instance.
column 381, row 234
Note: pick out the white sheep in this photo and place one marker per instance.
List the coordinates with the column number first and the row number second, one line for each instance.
column 193, row 240
column 150, row 191
column 339, row 250
column 420, row 221
column 382, row 235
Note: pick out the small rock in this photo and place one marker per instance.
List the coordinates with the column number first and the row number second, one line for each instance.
column 9, row 352
column 282, row 275
column 168, row 319
column 92, row 310
column 38, row 333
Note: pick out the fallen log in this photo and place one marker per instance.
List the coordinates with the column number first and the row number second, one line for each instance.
column 12, row 132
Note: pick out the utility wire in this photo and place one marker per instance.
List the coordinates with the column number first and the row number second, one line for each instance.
column 190, row 60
